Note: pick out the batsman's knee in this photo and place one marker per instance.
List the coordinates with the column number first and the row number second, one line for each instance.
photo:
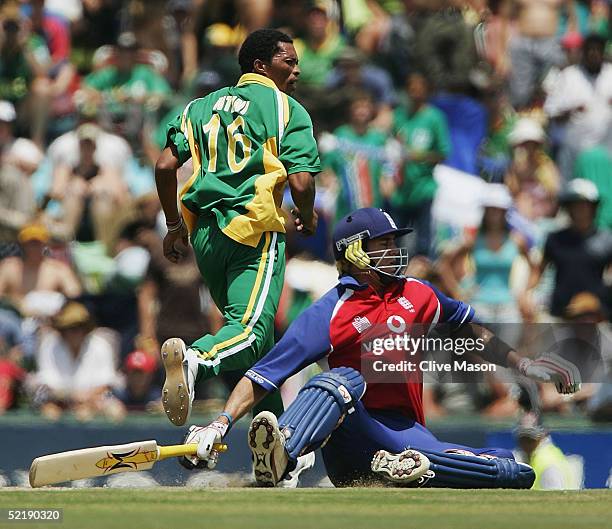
column 346, row 384
column 319, row 408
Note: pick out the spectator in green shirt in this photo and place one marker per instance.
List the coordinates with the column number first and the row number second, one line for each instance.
column 127, row 81
column 423, row 131
column 320, row 47
column 356, row 156
column 18, row 66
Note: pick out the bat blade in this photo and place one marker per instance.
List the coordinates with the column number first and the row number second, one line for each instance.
column 93, row 462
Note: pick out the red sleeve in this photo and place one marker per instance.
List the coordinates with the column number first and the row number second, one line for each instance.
column 58, row 37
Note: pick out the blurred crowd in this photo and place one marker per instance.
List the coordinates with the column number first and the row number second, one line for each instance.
column 484, row 125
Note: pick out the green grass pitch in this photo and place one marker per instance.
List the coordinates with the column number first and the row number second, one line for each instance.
column 173, row 508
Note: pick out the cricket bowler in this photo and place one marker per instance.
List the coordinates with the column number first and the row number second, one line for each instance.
column 246, row 143
column 375, row 431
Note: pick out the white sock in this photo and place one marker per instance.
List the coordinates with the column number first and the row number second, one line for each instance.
column 191, row 357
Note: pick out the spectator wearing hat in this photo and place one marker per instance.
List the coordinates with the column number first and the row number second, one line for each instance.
column 76, row 367
column 580, row 339
column 580, row 253
column 19, row 158
column 34, row 271
column 12, row 148
column 33, row 287
column 89, row 180
column 579, row 100
column 140, row 392
column 112, row 153
column 552, row 468
column 532, row 178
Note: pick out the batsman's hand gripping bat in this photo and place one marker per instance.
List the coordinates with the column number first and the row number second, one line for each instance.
column 105, row 460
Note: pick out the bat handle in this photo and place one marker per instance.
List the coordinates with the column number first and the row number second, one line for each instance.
column 164, row 452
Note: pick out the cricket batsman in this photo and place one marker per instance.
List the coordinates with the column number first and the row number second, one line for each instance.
column 246, row 143
column 375, row 431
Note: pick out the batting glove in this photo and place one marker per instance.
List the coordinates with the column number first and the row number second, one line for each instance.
column 552, row 368
column 205, row 437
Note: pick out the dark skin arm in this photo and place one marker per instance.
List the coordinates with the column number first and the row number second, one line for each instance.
column 175, row 242
column 302, row 186
column 165, row 180
column 475, row 331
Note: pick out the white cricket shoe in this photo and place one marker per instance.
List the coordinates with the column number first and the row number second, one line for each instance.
column 181, row 367
column 267, row 444
column 304, row 463
column 405, row 467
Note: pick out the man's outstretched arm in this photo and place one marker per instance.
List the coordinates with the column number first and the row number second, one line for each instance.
column 548, row 368
column 245, row 396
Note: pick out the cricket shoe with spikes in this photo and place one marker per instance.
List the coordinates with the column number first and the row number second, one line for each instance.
column 406, row 467
column 181, row 367
column 267, row 444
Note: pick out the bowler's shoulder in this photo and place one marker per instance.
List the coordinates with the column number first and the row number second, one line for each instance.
column 296, row 108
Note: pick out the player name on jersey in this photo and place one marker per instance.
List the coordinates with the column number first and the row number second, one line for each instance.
column 231, row 104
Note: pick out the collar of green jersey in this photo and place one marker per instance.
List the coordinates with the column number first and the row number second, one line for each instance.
column 249, row 78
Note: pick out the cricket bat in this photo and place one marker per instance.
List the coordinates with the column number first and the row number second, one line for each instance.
column 105, row 460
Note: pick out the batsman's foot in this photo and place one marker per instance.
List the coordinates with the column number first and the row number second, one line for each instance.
column 405, row 467
column 267, row 444
column 181, row 369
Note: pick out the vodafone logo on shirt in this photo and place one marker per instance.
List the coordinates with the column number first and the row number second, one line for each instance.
column 396, row 323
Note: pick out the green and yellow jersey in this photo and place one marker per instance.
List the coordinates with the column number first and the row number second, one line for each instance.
column 244, row 140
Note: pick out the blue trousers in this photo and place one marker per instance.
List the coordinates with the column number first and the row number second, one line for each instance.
column 349, row 451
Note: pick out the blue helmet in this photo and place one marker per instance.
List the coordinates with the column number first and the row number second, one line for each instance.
column 352, row 232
